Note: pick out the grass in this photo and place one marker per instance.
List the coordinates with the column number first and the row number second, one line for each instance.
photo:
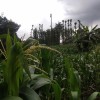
column 87, row 64
column 59, row 72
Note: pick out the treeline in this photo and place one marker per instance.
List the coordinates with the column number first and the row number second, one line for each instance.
column 63, row 32
column 7, row 26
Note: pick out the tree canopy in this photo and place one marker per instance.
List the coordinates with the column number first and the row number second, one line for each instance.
column 6, row 24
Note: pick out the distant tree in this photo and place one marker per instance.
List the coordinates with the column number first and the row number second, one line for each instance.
column 48, row 37
column 58, row 32
column 6, row 24
column 35, row 33
column 87, row 39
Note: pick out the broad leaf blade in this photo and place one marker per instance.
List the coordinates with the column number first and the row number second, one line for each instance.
column 29, row 94
column 75, row 95
column 8, row 43
column 39, row 82
column 93, row 96
column 14, row 67
column 73, row 78
column 57, row 90
column 12, row 98
column 3, row 36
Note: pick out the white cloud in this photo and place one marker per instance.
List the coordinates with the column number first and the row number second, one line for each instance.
column 28, row 12
column 85, row 10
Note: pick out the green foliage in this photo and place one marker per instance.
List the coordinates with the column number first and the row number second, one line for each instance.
column 81, row 72
column 8, row 44
column 73, row 80
column 12, row 98
column 38, row 81
column 29, row 94
column 57, row 90
column 93, row 96
column 6, row 24
column 18, row 80
column 12, row 67
column 86, row 40
column 35, row 72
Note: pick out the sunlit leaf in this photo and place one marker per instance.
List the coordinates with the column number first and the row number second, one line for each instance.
column 29, row 94
column 93, row 96
column 12, row 98
column 57, row 90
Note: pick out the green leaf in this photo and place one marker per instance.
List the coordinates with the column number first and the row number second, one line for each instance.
column 26, row 68
column 75, row 95
column 29, row 94
column 57, row 90
column 15, row 39
column 73, row 78
column 29, row 42
column 3, row 36
column 13, row 71
column 8, row 43
column 93, row 96
column 39, row 82
column 12, row 98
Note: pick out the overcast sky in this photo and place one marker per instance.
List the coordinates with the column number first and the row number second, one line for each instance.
column 88, row 11
column 35, row 12
column 32, row 12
